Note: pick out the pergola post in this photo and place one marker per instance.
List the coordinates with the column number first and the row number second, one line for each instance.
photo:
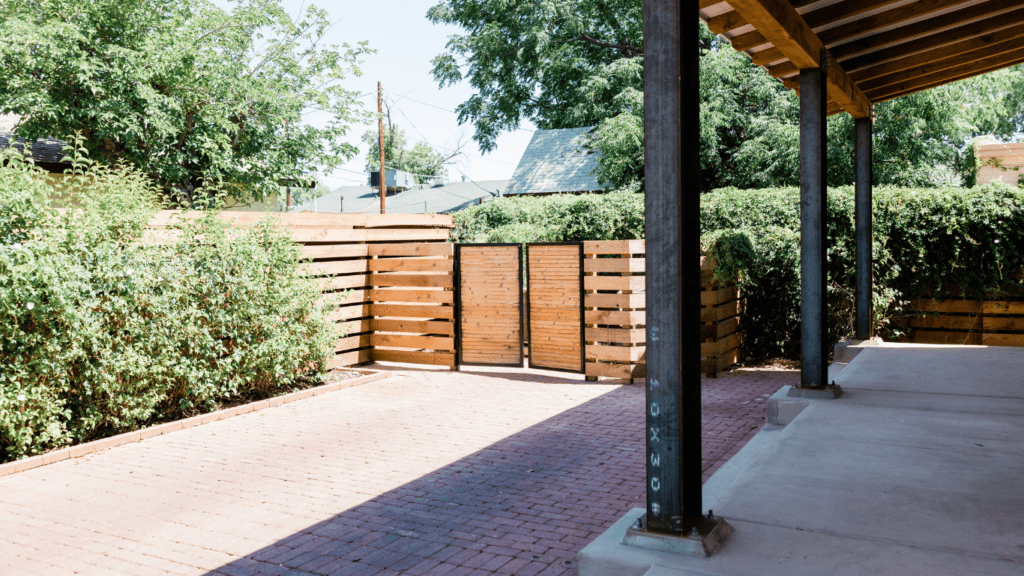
column 862, row 223
column 813, row 230
column 672, row 175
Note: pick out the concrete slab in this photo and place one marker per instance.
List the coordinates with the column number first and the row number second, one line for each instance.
column 917, row 469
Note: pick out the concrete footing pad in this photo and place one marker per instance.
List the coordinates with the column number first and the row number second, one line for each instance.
column 712, row 536
column 829, row 392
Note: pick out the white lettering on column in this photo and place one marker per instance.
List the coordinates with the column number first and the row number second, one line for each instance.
column 655, row 508
column 655, row 484
column 655, row 409
column 655, row 459
column 654, row 434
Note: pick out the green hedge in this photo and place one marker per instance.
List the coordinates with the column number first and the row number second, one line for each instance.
column 554, row 218
column 104, row 331
column 928, row 243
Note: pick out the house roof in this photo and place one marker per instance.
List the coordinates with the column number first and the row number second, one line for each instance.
column 555, row 161
column 46, row 152
column 876, row 50
column 451, row 197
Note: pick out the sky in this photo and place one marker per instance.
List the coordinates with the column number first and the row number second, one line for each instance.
column 405, row 42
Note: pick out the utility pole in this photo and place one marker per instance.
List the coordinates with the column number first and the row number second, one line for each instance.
column 380, row 142
column 288, row 187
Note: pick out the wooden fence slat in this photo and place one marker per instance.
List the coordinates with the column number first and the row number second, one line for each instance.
column 441, row 343
column 620, row 265
column 412, row 311
column 596, row 300
column 413, row 280
column 413, row 326
column 325, row 235
column 415, row 357
column 411, row 265
column 632, row 283
column 412, row 249
column 613, row 247
column 411, row 296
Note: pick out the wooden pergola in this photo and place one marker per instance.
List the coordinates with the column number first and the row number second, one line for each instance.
column 840, row 56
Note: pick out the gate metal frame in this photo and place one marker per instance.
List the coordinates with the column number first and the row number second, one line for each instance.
column 458, row 302
column 583, row 308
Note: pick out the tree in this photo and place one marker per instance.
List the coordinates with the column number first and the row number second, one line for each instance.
column 573, row 63
column 192, row 95
column 422, row 160
column 558, row 63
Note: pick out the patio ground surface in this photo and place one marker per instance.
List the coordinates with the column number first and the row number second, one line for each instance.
column 917, row 470
column 487, row 471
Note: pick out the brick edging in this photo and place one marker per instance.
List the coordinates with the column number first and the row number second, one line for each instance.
column 137, row 435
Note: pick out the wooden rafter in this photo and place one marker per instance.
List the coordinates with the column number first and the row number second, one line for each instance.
column 934, row 79
column 927, row 27
column 780, row 24
column 932, row 61
column 967, row 37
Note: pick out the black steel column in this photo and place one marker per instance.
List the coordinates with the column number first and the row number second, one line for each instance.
column 672, row 167
column 862, row 200
column 813, row 230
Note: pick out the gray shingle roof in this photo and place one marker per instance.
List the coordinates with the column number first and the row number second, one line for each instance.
column 46, row 152
column 555, row 161
column 451, row 197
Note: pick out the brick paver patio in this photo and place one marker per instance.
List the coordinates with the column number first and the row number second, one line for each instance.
column 427, row 472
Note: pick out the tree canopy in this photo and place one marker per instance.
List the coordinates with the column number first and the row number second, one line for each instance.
column 574, row 63
column 190, row 94
column 423, row 161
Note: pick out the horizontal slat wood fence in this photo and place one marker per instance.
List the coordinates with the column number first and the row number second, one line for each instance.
column 976, row 322
column 616, row 313
column 397, row 270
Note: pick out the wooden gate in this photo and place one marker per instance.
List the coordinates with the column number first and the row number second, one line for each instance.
column 489, row 305
column 555, row 312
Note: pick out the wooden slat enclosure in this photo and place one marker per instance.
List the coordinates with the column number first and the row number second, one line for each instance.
column 555, row 306
column 615, row 313
column 489, row 304
column 390, row 277
column 974, row 322
column 720, row 309
column 615, row 300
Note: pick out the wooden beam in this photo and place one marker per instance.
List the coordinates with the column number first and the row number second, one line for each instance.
column 889, row 18
column 930, row 27
column 780, row 24
column 932, row 80
column 927, row 63
column 726, row 22
column 843, row 10
column 767, row 56
column 966, row 37
column 708, row 3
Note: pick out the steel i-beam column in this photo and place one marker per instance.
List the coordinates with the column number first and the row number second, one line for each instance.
column 813, row 230
column 862, row 200
column 672, row 170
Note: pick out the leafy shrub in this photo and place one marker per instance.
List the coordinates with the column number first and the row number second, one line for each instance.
column 927, row 244
column 106, row 329
column 554, row 218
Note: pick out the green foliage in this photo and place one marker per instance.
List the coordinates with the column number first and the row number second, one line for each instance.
column 554, row 218
column 559, row 63
column 105, row 330
column 189, row 94
column 422, row 161
column 574, row 63
column 928, row 243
